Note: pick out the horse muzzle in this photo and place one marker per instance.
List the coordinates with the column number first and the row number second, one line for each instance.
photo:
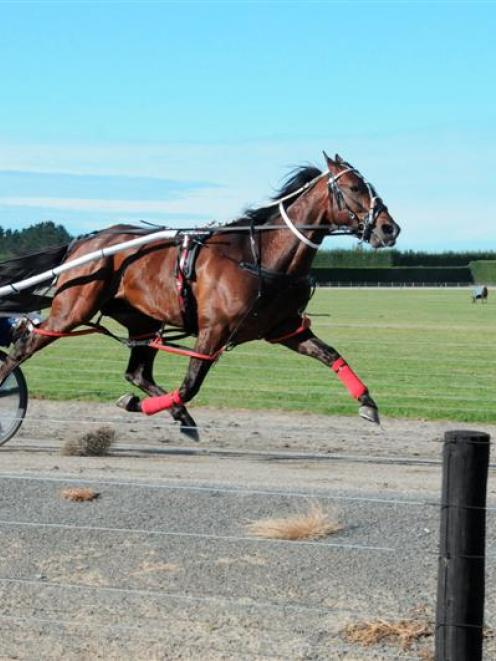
column 384, row 234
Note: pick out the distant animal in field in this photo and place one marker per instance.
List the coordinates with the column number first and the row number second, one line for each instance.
column 480, row 294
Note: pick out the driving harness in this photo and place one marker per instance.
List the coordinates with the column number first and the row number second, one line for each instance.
column 270, row 283
column 189, row 247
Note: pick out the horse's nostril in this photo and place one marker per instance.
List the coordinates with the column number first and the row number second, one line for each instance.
column 387, row 229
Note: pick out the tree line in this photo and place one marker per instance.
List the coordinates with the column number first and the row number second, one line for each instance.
column 31, row 239
column 362, row 258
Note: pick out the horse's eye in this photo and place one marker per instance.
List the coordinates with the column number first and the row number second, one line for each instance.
column 355, row 189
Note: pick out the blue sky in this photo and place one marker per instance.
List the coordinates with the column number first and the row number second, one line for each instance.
column 184, row 112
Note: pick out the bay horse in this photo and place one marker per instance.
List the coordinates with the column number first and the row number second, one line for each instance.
column 251, row 281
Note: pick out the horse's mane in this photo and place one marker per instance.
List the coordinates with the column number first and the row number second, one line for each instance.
column 297, row 178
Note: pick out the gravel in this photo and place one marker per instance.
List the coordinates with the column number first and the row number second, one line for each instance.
column 161, row 566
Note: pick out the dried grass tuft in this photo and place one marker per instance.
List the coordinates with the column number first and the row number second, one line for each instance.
column 79, row 495
column 312, row 524
column 403, row 632
column 94, row 443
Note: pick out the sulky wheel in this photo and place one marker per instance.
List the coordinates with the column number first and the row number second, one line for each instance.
column 13, row 403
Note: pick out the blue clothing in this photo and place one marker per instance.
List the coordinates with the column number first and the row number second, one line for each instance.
column 6, row 327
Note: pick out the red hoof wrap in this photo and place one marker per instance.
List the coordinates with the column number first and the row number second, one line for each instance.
column 354, row 385
column 152, row 405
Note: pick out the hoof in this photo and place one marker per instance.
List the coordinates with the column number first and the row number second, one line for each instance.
column 188, row 425
column 190, row 431
column 129, row 402
column 369, row 413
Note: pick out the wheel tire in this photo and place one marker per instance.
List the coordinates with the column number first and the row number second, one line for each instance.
column 13, row 402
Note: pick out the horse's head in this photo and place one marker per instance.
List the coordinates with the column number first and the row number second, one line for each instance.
column 355, row 204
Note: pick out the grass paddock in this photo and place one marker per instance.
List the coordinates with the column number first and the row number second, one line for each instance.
column 424, row 353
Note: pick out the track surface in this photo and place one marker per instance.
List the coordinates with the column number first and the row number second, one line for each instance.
column 161, row 566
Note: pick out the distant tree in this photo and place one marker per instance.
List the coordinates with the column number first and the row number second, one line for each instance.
column 32, row 239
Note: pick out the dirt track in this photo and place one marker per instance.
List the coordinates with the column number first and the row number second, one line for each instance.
column 161, row 565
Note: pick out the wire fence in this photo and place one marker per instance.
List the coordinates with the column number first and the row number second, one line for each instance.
column 248, row 603
column 324, row 642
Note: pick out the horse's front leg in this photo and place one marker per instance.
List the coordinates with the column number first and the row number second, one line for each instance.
column 308, row 344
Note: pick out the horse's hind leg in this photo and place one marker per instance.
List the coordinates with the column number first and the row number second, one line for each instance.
column 24, row 347
column 308, row 344
column 209, row 342
column 139, row 372
column 72, row 306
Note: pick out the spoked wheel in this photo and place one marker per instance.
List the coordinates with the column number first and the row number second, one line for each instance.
column 13, row 403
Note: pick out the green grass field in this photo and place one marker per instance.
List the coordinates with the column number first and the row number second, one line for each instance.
column 423, row 353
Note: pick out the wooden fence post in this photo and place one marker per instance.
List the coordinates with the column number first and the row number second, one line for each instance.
column 460, row 595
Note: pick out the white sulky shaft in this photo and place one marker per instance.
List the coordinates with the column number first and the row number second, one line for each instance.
column 16, row 287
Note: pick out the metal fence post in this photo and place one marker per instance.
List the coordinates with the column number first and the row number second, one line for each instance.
column 460, row 596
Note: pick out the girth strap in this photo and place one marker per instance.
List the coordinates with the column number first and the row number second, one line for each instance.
column 275, row 277
column 304, row 325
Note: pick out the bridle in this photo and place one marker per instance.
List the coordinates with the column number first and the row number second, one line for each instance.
column 364, row 226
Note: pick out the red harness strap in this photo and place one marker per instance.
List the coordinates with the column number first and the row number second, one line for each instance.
column 305, row 325
column 48, row 333
column 86, row 331
column 190, row 353
column 346, row 375
column 154, row 344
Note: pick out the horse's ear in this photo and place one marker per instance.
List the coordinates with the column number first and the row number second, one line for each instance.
column 329, row 161
column 339, row 159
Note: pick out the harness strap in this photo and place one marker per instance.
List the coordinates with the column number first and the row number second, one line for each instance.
column 181, row 351
column 154, row 344
column 48, row 333
column 180, row 272
column 305, row 325
column 296, row 231
column 94, row 328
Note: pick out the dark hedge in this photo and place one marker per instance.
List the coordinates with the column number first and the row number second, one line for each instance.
column 399, row 275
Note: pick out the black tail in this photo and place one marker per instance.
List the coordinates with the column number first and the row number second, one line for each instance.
column 26, row 266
